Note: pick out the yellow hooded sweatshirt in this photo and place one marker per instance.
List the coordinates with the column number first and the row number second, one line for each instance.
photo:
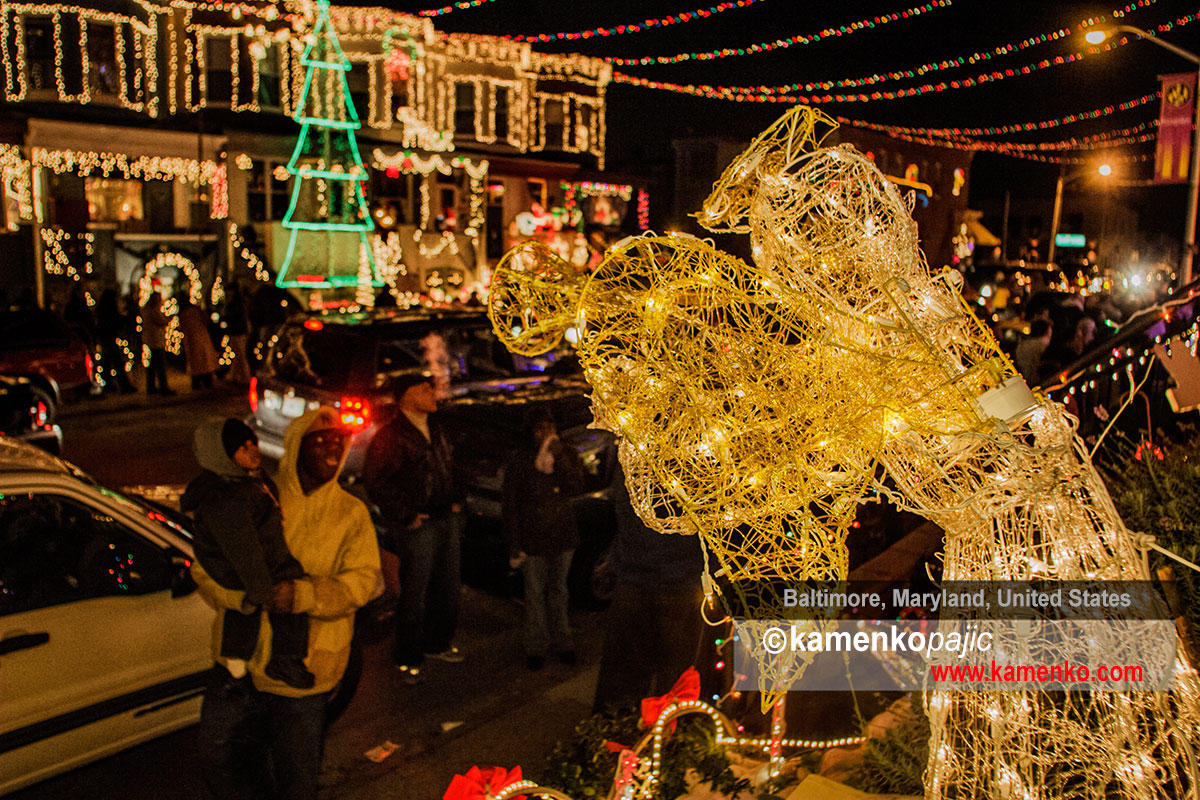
column 330, row 533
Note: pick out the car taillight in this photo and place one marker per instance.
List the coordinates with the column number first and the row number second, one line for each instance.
column 88, row 364
column 356, row 413
column 254, row 395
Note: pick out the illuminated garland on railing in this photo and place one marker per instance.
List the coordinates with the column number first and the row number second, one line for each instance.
column 764, row 94
column 779, row 44
column 635, row 27
column 460, row 6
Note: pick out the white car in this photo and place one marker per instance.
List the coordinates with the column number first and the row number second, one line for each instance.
column 104, row 642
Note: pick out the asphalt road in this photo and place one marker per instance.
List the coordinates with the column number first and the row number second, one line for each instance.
column 487, row 710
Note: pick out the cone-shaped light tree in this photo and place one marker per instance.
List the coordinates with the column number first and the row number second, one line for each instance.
column 327, row 196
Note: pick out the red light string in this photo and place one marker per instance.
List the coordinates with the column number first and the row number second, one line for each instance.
column 778, row 44
column 756, row 94
column 1022, row 127
column 460, row 6
column 636, row 27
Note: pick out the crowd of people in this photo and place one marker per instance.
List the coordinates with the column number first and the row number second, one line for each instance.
column 1045, row 330
column 119, row 329
column 287, row 563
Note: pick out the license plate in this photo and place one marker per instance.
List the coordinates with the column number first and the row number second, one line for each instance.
column 293, row 406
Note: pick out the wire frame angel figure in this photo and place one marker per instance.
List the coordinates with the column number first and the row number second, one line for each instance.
column 754, row 403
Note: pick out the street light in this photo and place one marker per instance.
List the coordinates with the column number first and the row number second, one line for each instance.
column 1103, row 169
column 1097, row 36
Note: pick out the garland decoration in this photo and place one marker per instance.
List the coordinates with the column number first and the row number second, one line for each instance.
column 867, row 23
column 647, row 24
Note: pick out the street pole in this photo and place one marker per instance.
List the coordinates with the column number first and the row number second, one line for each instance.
column 1189, row 224
column 1189, row 230
column 1057, row 215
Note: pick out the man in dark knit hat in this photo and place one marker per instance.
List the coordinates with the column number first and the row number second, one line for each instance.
column 408, row 475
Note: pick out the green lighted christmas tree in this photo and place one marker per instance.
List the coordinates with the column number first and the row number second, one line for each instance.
column 327, row 196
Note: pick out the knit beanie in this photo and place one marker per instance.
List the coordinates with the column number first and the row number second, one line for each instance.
column 234, row 434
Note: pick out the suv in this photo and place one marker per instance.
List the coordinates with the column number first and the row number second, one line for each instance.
column 349, row 361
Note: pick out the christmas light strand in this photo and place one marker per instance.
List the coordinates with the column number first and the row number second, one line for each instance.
column 1022, row 127
column 647, row 24
column 765, row 94
column 846, row 83
column 867, row 23
column 461, row 6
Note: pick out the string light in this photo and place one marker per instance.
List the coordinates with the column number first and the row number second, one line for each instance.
column 16, row 181
column 867, row 23
column 765, row 94
column 462, row 5
column 1022, row 127
column 56, row 261
column 648, row 24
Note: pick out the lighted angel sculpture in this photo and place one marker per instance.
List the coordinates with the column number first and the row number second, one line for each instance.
column 754, row 405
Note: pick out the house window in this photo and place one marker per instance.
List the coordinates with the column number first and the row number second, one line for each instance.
column 464, row 109
column 115, row 200
column 267, row 197
column 268, row 77
column 502, row 98
column 39, row 52
column 103, row 75
column 359, row 82
column 555, row 124
column 218, row 70
column 392, row 199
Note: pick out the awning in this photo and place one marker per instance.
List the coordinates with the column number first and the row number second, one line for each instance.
column 135, row 142
column 975, row 229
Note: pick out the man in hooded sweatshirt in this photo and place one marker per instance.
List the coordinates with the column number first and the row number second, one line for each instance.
column 244, row 727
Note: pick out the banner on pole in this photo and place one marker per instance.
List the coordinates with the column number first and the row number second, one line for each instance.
column 1174, row 152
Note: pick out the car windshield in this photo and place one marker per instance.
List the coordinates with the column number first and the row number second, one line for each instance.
column 312, row 357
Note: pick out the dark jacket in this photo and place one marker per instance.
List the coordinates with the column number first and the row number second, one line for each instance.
column 539, row 519
column 239, row 528
column 643, row 556
column 406, row 474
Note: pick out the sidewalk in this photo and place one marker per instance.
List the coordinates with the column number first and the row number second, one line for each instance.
column 112, row 402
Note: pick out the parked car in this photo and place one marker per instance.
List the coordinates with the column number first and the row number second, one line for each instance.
column 27, row 412
column 38, row 344
column 104, row 642
column 349, row 361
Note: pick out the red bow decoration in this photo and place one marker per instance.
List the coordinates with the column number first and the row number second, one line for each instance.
column 615, row 747
column 480, row 784
column 686, row 688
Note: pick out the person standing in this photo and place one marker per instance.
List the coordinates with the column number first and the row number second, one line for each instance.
column 542, row 534
column 408, row 475
column 154, row 338
column 238, row 321
column 197, row 346
column 653, row 628
column 111, row 327
column 248, row 723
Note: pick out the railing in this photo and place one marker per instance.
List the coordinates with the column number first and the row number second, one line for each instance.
column 1123, row 370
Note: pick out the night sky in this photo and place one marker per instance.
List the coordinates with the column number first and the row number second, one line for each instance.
column 643, row 121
